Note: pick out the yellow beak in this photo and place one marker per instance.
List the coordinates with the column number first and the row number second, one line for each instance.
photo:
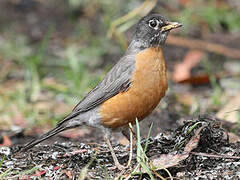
column 170, row 26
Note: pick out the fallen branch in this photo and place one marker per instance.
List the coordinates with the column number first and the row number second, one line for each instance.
column 203, row 45
column 215, row 155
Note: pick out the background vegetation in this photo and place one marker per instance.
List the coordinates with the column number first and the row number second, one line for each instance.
column 53, row 52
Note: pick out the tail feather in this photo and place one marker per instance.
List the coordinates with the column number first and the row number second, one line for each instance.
column 45, row 136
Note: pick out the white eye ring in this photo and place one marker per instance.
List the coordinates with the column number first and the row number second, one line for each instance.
column 153, row 23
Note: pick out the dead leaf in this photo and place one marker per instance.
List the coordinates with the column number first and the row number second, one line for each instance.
column 69, row 173
column 192, row 144
column 197, row 79
column 186, row 98
column 39, row 173
column 56, row 168
column 185, row 3
column 168, row 160
column 231, row 111
column 182, row 71
column 6, row 141
column 233, row 138
column 173, row 159
column 123, row 141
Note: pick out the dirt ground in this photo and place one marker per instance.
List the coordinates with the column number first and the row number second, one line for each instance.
column 198, row 149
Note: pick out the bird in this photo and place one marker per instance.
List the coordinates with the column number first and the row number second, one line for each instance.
column 131, row 89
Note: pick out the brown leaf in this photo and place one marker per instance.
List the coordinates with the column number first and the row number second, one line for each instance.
column 6, row 141
column 182, row 71
column 69, row 173
column 39, row 173
column 185, row 2
column 56, row 168
column 123, row 141
column 233, row 138
column 192, row 144
column 196, row 80
column 185, row 98
column 168, row 160
column 230, row 112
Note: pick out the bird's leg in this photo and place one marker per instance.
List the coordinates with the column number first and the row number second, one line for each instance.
column 126, row 132
column 131, row 129
column 130, row 144
column 116, row 162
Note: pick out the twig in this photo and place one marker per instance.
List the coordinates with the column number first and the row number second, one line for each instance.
column 215, row 155
column 203, row 45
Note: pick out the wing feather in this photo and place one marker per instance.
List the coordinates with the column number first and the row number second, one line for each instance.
column 117, row 80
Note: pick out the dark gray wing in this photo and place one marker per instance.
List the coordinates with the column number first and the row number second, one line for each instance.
column 116, row 80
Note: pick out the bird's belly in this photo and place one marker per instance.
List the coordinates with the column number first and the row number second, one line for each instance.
column 149, row 83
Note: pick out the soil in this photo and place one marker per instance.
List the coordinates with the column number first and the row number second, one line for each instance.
column 213, row 156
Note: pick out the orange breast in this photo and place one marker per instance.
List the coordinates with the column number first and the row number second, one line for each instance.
column 149, row 83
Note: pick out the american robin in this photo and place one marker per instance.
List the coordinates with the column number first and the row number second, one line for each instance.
column 130, row 90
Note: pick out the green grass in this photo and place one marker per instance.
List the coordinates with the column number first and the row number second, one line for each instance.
column 142, row 159
column 84, row 172
column 5, row 173
column 9, row 173
column 144, row 165
column 2, row 160
column 31, row 69
column 208, row 13
column 217, row 92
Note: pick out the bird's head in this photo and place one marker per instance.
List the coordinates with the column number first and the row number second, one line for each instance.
column 152, row 30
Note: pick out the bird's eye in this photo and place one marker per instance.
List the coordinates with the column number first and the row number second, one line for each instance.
column 153, row 23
